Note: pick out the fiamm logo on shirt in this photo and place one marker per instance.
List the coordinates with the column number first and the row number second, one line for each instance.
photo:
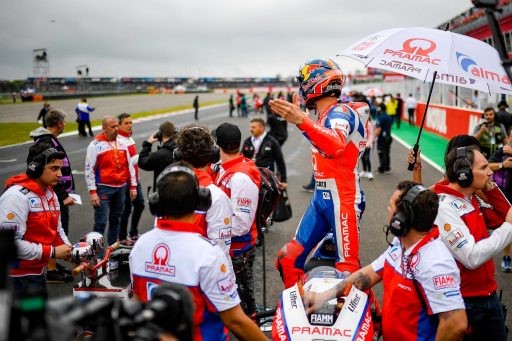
column 159, row 263
column 444, row 281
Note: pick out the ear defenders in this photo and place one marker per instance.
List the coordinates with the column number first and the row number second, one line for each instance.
column 401, row 221
column 204, row 197
column 462, row 168
column 36, row 166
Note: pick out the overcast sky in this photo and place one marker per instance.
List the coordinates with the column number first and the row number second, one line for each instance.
column 197, row 38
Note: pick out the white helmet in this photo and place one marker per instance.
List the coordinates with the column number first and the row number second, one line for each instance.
column 95, row 240
column 82, row 252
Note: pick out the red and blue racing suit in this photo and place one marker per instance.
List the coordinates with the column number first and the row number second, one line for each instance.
column 338, row 140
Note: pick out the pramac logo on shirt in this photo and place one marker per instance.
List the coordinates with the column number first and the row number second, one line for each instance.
column 160, row 259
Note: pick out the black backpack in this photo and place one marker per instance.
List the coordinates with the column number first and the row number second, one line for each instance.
column 268, row 197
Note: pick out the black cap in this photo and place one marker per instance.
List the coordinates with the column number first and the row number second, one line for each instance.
column 503, row 103
column 228, row 136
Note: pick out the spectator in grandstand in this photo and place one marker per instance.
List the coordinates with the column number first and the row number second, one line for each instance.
column 42, row 113
column 163, row 156
column 264, row 150
column 196, row 107
column 83, row 111
column 410, row 103
column 108, row 173
column 489, row 133
column 125, row 136
column 503, row 116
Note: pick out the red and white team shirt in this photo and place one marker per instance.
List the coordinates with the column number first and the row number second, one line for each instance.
column 216, row 222
column 129, row 142
column 176, row 252
column 108, row 163
column 430, row 263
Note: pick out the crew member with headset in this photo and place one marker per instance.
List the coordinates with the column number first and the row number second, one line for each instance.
column 30, row 208
column 462, row 220
column 421, row 280
column 206, row 273
column 157, row 161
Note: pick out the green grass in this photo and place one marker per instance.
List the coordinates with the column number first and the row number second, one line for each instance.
column 431, row 145
column 12, row 133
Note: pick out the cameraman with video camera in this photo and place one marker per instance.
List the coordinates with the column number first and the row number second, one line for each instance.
column 157, row 161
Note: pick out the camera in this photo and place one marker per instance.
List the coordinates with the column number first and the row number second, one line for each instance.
column 158, row 136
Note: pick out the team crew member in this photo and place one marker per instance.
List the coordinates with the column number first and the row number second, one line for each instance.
column 264, row 149
column 239, row 178
column 55, row 123
column 196, row 146
column 83, row 113
column 30, row 208
column 338, row 138
column 420, row 277
column 125, row 136
column 108, row 170
column 463, row 220
column 165, row 254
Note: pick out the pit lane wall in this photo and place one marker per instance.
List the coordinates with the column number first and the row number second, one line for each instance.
column 446, row 121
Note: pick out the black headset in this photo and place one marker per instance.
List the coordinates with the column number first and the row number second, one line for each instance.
column 214, row 156
column 204, row 196
column 401, row 221
column 36, row 166
column 462, row 168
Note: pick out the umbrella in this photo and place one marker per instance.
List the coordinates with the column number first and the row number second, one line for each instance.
column 373, row 92
column 433, row 55
column 419, row 51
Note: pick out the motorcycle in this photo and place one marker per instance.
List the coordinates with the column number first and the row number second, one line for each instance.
column 347, row 317
column 105, row 277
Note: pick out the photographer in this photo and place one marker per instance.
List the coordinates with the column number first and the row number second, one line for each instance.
column 490, row 133
column 205, row 272
column 163, row 156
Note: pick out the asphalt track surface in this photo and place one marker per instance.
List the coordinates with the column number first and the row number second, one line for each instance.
column 297, row 156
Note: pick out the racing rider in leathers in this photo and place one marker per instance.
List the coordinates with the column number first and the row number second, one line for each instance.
column 338, row 139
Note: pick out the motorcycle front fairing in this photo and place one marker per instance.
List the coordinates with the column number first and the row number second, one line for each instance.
column 346, row 318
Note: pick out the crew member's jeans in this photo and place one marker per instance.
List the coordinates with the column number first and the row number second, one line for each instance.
column 485, row 318
column 138, row 207
column 111, row 206
column 31, row 285
column 243, row 266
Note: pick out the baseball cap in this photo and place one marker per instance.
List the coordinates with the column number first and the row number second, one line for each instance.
column 228, row 136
